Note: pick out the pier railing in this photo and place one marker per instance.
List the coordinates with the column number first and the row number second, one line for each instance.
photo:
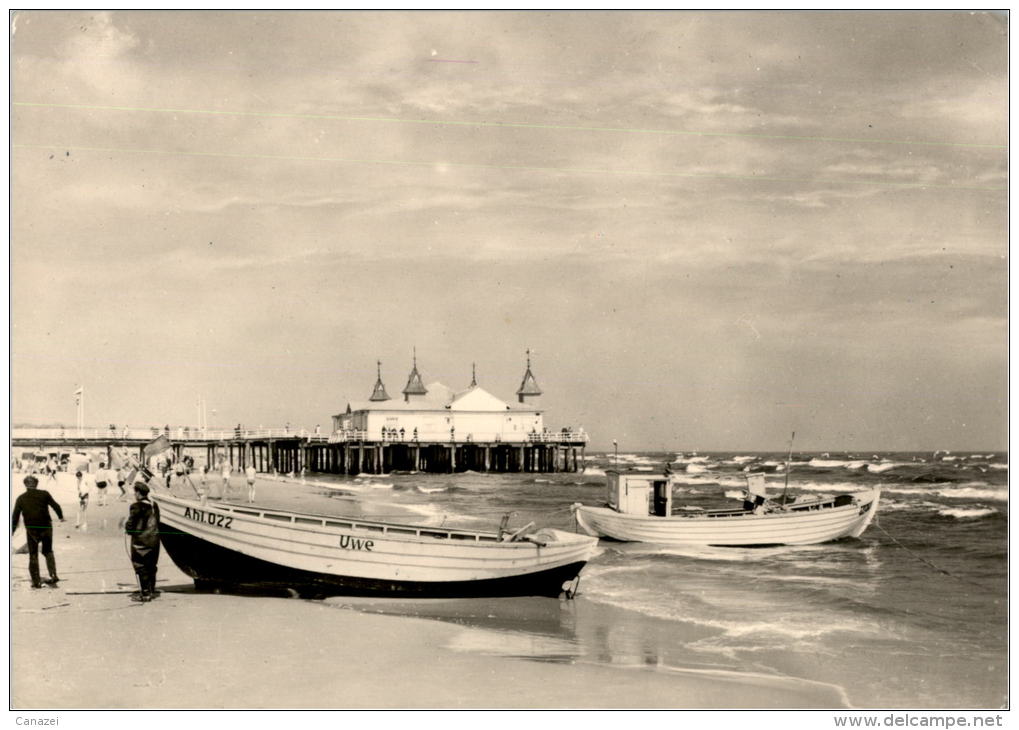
column 395, row 437
column 174, row 434
column 198, row 435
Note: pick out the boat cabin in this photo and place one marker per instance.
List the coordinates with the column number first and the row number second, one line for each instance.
column 639, row 493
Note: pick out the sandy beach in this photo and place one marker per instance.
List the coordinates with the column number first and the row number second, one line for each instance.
column 204, row 651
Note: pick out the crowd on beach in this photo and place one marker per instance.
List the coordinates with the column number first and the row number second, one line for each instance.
column 35, row 505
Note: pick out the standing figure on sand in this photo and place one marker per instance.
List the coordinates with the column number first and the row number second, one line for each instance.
column 35, row 504
column 84, row 484
column 250, row 474
column 142, row 528
column 225, row 470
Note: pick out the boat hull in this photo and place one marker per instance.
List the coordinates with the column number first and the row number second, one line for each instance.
column 794, row 527
column 230, row 547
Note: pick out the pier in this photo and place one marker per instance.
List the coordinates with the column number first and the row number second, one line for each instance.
column 280, row 450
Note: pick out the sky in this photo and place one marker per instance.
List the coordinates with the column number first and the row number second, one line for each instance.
column 710, row 229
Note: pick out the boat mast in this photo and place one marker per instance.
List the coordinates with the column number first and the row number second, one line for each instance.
column 787, row 460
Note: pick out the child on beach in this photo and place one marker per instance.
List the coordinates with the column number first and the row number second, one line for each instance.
column 250, row 474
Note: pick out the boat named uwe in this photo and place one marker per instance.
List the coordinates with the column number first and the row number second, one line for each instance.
column 639, row 509
column 232, row 546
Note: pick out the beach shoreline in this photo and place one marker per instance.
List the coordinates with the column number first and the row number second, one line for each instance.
column 207, row 651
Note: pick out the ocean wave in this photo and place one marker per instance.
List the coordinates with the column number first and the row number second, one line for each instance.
column 743, row 459
column 967, row 513
column 593, row 471
column 844, row 487
column 680, row 459
column 827, row 463
column 762, row 632
column 882, row 467
column 972, row 490
column 696, row 468
column 1000, row 495
column 998, row 466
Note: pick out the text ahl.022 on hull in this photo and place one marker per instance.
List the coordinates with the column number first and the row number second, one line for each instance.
column 230, row 546
column 639, row 509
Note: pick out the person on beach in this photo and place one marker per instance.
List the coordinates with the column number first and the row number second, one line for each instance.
column 250, row 474
column 203, row 489
column 35, row 504
column 102, row 480
column 121, row 478
column 142, row 527
column 84, row 484
column 225, row 473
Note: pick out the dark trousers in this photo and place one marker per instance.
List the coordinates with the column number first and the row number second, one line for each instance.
column 40, row 537
column 144, row 561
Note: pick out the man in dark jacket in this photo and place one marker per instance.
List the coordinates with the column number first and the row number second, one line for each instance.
column 35, row 505
column 143, row 528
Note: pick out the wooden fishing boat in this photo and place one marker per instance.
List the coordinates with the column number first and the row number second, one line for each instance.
column 230, row 546
column 639, row 509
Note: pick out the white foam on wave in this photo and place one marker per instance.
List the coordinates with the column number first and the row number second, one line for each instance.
column 593, row 471
column 430, row 490
column 1000, row 495
column 827, row 463
column 844, row 487
column 967, row 513
column 763, row 632
column 696, row 468
column 743, row 459
column 970, row 490
column 998, row 466
column 882, row 467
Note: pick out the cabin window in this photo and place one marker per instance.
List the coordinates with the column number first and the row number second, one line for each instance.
column 307, row 521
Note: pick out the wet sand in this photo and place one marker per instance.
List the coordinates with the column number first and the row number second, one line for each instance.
column 190, row 650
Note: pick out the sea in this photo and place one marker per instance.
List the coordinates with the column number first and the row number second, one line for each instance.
column 913, row 614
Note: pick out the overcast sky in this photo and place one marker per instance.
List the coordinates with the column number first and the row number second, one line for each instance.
column 711, row 229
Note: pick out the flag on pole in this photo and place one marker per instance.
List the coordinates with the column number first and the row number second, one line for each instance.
column 77, row 395
column 157, row 446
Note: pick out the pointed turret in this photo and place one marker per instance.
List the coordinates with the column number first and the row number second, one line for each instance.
column 474, row 375
column 414, row 385
column 529, row 386
column 379, row 392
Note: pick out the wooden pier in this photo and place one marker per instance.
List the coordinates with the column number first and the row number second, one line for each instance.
column 282, row 451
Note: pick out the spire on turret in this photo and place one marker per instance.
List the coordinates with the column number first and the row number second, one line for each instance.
column 474, row 375
column 414, row 385
column 379, row 392
column 529, row 386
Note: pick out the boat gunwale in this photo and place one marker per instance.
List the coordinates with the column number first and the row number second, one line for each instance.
column 343, row 522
